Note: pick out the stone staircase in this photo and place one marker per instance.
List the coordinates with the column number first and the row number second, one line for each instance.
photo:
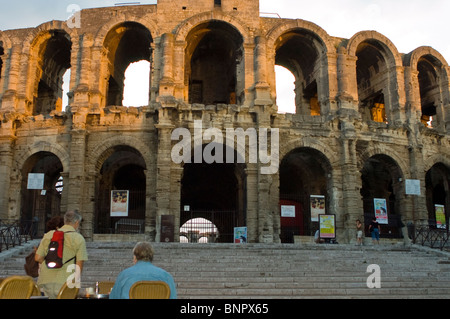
column 276, row 271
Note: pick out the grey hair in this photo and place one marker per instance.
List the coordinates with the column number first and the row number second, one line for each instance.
column 71, row 217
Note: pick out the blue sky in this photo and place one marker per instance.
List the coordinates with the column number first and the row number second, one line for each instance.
column 409, row 24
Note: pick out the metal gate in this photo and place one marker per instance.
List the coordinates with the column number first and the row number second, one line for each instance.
column 208, row 226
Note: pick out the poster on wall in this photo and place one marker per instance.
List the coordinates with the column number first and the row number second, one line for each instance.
column 380, row 210
column 287, row 211
column 317, row 206
column 35, row 181
column 440, row 216
column 240, row 235
column 119, row 203
column 327, row 226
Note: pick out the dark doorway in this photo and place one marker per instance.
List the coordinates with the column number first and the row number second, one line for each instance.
column 123, row 170
column 303, row 176
column 39, row 205
column 215, row 192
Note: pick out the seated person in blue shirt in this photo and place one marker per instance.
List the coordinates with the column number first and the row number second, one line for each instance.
column 143, row 269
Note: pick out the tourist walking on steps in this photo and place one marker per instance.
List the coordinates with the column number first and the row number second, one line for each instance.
column 359, row 232
column 50, row 280
column 374, row 229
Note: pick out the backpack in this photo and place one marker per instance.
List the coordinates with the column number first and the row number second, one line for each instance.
column 31, row 266
column 54, row 258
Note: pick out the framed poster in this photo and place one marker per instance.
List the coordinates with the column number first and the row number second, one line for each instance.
column 317, row 203
column 327, row 226
column 380, row 210
column 119, row 203
column 440, row 216
column 287, row 211
column 240, row 235
column 35, row 181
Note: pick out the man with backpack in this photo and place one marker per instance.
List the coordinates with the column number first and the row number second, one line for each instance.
column 69, row 247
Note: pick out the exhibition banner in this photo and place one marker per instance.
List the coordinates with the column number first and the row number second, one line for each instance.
column 440, row 216
column 317, row 206
column 119, row 203
column 240, row 235
column 327, row 226
column 380, row 210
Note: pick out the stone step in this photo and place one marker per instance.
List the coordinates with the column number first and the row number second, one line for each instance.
column 216, row 271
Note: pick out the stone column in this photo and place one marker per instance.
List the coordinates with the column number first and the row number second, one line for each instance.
column 11, row 61
column 347, row 86
column 6, row 164
column 163, row 176
column 78, row 196
column 352, row 206
column 252, row 203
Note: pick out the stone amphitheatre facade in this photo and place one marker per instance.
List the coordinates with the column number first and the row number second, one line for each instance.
column 369, row 120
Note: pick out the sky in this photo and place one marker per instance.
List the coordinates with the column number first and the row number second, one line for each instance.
column 409, row 24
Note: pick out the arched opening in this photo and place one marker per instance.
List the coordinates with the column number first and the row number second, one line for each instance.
column 215, row 192
column 296, row 51
column 304, row 192
column 41, row 190
column 437, row 182
column 198, row 230
column 66, row 89
column 54, row 60
column 381, row 193
column 285, row 90
column 127, row 43
column 372, row 80
column 137, row 84
column 122, row 175
column 214, row 65
column 430, row 93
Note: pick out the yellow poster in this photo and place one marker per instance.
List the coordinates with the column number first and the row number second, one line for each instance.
column 327, row 226
column 440, row 216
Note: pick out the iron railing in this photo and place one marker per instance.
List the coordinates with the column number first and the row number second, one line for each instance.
column 431, row 236
column 15, row 233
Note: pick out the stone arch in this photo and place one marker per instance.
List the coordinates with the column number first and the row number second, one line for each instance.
column 182, row 31
column 284, row 27
column 214, row 68
column 121, row 168
column 393, row 56
column 97, row 155
column 147, row 21
column 433, row 82
column 433, row 159
column 50, row 50
column 40, row 203
column 43, row 146
column 380, row 86
column 333, row 157
column 125, row 43
column 302, row 47
column 383, row 150
column 304, row 175
column 382, row 192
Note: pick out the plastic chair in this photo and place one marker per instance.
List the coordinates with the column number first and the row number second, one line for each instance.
column 67, row 293
column 104, row 287
column 150, row 290
column 17, row 287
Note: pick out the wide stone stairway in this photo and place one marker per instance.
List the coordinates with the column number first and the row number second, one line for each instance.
column 263, row 271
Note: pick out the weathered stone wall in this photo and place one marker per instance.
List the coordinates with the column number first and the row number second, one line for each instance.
column 83, row 136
